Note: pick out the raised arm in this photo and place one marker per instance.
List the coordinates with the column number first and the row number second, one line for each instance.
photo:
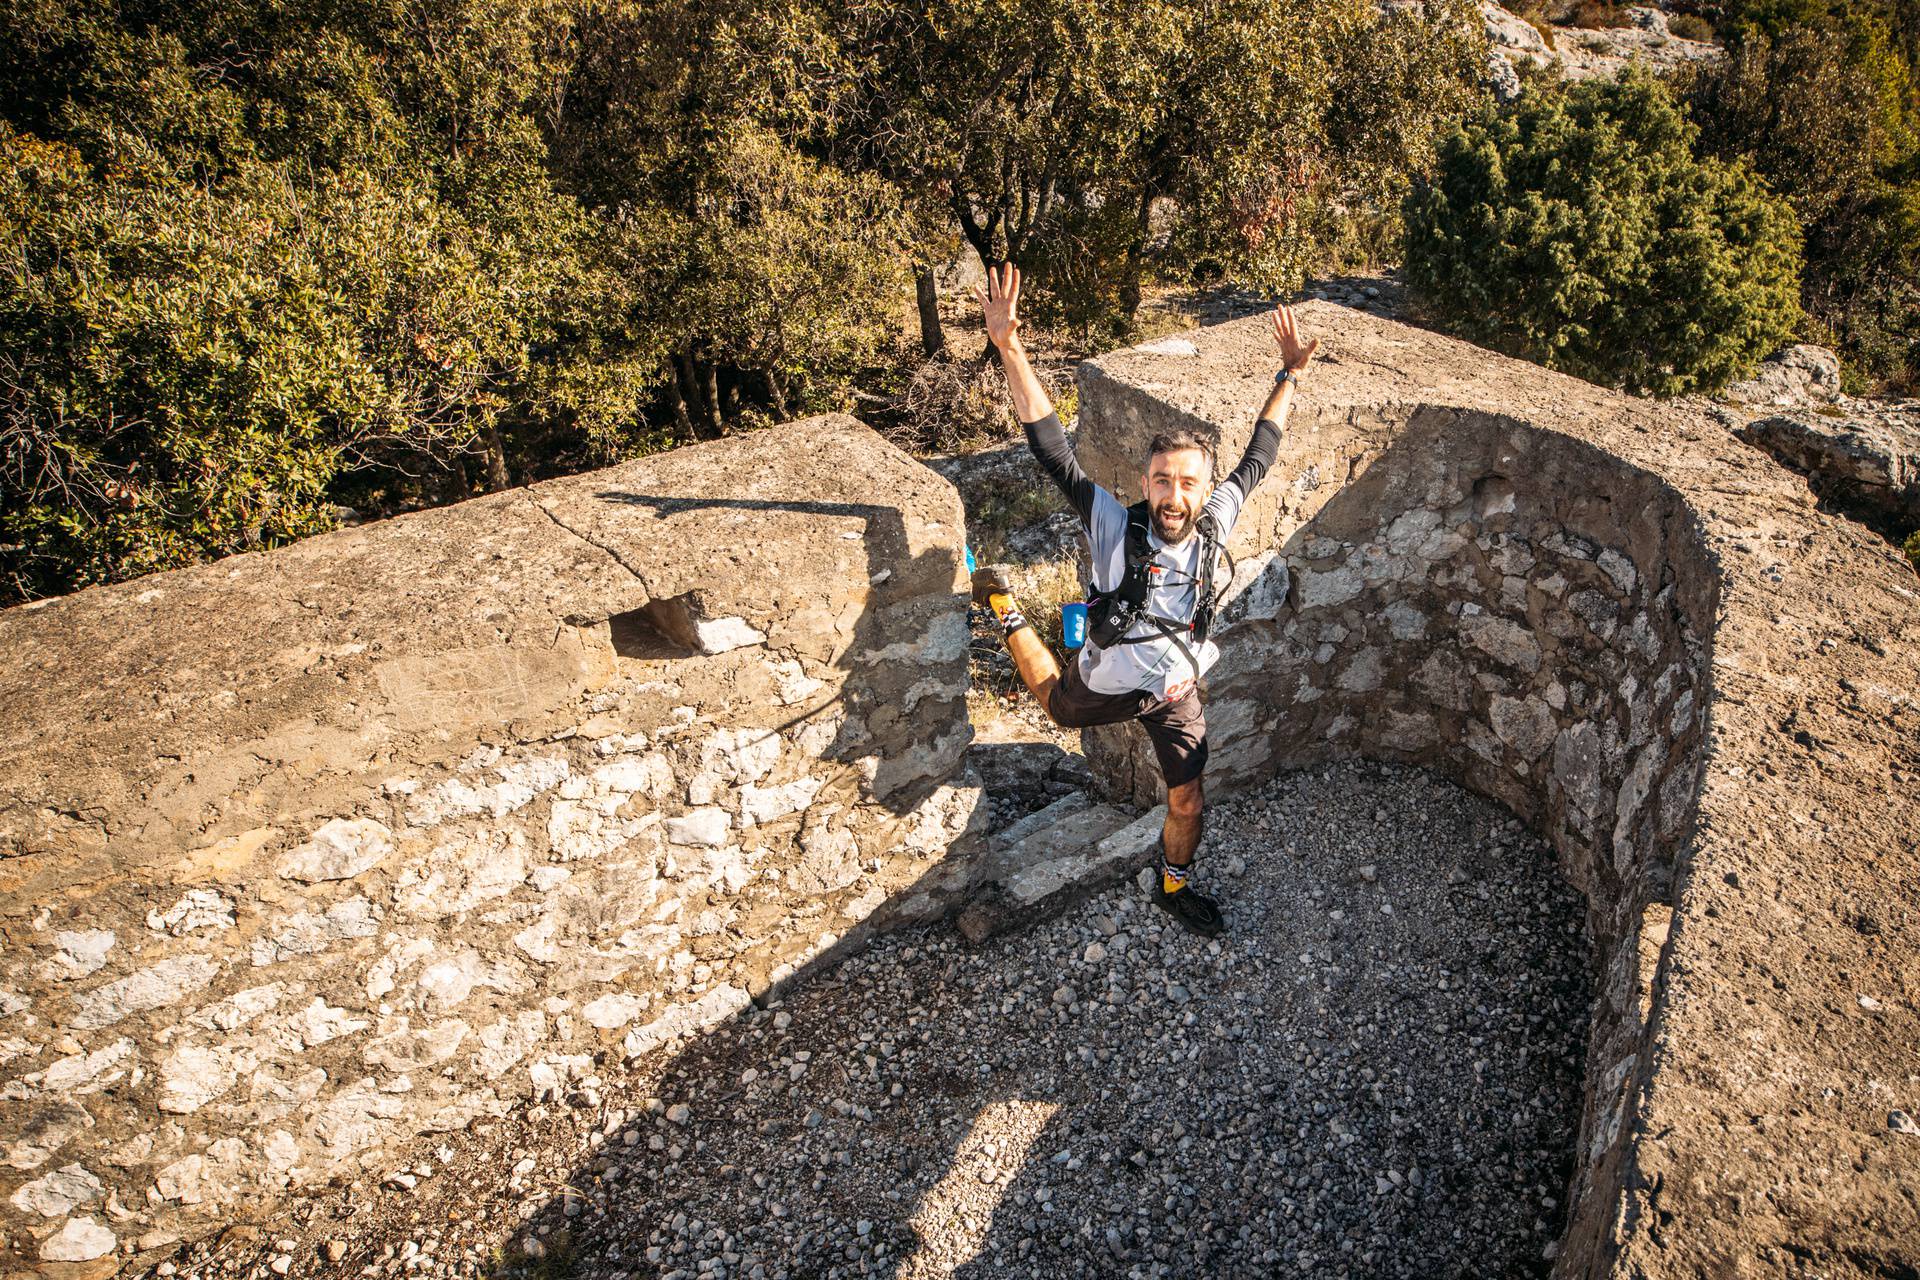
column 1045, row 436
column 1296, row 353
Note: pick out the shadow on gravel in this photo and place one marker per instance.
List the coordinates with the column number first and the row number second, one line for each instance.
column 1377, row 1073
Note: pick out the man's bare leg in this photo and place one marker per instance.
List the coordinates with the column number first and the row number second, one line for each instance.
column 1036, row 664
column 1181, row 834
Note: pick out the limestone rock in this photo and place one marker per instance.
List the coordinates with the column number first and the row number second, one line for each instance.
column 340, row 850
column 77, row 953
column 1799, row 376
column 78, row 1240
column 59, row 1193
column 196, row 909
column 164, row 984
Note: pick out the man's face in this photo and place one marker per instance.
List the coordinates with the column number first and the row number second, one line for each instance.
column 1177, row 483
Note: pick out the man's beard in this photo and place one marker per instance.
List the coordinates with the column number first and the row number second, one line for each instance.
column 1172, row 523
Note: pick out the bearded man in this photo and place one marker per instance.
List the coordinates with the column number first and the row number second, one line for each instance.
column 1151, row 597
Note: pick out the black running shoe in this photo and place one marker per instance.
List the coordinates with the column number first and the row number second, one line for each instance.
column 1191, row 908
column 989, row 580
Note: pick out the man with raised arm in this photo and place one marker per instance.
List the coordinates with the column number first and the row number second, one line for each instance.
column 1152, row 582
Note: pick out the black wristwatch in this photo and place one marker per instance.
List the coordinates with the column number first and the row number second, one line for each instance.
column 1287, row 375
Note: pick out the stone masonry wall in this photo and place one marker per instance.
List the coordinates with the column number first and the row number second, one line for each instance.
column 1515, row 578
column 308, row 853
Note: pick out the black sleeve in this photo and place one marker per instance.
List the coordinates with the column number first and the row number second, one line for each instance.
column 1048, row 440
column 1261, row 451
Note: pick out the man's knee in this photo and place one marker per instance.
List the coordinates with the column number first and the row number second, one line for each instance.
column 1185, row 800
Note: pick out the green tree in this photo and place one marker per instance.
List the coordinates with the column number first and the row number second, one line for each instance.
column 1827, row 109
column 1580, row 231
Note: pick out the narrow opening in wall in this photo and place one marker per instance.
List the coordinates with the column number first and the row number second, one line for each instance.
column 656, row 630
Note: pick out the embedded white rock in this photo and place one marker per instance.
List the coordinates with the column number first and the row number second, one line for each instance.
column 79, row 1240
column 340, row 850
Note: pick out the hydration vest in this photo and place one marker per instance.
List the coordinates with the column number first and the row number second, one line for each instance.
column 1113, row 614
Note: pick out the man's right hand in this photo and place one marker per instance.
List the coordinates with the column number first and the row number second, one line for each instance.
column 998, row 298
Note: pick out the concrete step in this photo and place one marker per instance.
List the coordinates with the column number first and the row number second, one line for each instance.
column 1052, row 859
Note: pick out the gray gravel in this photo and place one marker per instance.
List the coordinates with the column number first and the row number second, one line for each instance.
column 1377, row 1073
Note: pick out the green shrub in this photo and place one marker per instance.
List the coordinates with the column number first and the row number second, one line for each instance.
column 1597, row 13
column 1912, row 548
column 1579, row 230
column 1690, row 26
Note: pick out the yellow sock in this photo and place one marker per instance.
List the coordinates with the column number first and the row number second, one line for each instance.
column 1168, row 883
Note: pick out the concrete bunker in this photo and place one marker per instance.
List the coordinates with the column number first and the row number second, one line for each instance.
column 1516, row 579
column 1471, row 601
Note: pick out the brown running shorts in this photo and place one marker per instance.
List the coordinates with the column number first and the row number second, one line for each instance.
column 1177, row 729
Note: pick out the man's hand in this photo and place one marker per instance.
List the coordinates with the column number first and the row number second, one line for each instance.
column 1295, row 353
column 998, row 299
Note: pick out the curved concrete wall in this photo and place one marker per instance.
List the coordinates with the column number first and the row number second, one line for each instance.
column 1469, row 563
column 310, row 853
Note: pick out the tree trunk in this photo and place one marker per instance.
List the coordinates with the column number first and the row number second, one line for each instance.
column 1136, row 250
column 498, row 477
column 713, row 401
column 689, row 382
column 679, row 398
column 933, row 339
column 777, row 384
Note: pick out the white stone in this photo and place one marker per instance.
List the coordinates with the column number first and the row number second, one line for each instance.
column 506, row 1042
column 357, row 1117
column 79, row 1240
column 400, row 957
column 399, row 1048
column 707, row 826
column 1363, row 673
column 166, row 983
column 77, row 953
column 88, row 1072
column 1620, row 569
column 461, row 873
column 1502, row 639
column 52, row 1128
column 320, row 1022
column 1525, row 724
column 1321, row 588
column 610, row 1011
column 709, row 1011
column 764, row 804
column 340, row 850
column 536, row 940
column 520, row 783
column 1405, row 621
column 307, row 933
column 59, row 1193
column 194, row 1075
column 720, row 635
column 792, row 682
column 196, row 909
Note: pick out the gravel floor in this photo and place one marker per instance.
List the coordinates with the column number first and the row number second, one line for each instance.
column 1376, row 1073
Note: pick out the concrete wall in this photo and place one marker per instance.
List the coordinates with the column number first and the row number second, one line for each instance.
column 308, row 853
column 1471, row 564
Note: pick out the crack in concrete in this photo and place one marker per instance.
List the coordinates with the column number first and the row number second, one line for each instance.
column 597, row 545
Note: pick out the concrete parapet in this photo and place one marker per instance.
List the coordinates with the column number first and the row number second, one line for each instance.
column 308, row 853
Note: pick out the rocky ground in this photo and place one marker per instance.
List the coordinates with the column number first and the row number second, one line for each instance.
column 1376, row 1073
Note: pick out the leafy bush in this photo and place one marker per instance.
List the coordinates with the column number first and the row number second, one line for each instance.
column 1690, row 26
column 1912, row 548
column 1829, row 113
column 1580, row 231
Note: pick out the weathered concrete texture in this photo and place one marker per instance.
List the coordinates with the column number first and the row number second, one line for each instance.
column 311, row 852
column 1645, row 639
